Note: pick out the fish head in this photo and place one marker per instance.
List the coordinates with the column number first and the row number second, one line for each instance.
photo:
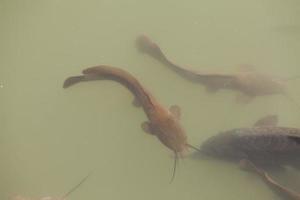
column 260, row 84
column 221, row 146
column 170, row 132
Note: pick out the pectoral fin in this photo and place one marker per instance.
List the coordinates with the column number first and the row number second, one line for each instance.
column 175, row 110
column 146, row 126
column 269, row 120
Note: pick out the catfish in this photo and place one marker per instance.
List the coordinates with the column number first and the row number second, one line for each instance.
column 247, row 81
column 162, row 122
column 265, row 144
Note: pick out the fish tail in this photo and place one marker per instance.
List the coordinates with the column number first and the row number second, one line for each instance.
column 73, row 80
column 81, row 78
column 146, row 45
column 105, row 72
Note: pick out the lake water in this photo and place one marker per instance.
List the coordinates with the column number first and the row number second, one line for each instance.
column 52, row 137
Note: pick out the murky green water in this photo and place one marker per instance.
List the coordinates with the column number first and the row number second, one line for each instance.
column 51, row 137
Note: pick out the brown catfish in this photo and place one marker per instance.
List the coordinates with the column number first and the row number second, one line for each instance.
column 284, row 192
column 247, row 81
column 63, row 197
column 163, row 123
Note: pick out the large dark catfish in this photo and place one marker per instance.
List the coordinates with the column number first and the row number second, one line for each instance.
column 263, row 147
column 265, row 144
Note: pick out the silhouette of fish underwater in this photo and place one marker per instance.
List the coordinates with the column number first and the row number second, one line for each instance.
column 266, row 145
column 260, row 148
column 247, row 81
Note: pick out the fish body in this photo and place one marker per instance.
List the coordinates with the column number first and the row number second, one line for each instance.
column 248, row 82
column 163, row 123
column 264, row 146
column 260, row 148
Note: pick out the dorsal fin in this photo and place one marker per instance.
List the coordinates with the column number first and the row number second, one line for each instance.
column 269, row 120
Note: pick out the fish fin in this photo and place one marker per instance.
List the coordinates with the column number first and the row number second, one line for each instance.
column 176, row 111
column 248, row 165
column 73, row 80
column 282, row 191
column 243, row 99
column 146, row 126
column 145, row 45
column 269, row 120
column 136, row 102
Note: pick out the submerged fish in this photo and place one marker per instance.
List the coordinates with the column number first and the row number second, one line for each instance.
column 262, row 147
column 247, row 81
column 163, row 123
column 266, row 145
column 63, row 197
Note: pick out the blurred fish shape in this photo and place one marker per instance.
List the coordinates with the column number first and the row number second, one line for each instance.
column 265, row 144
column 247, row 81
column 261, row 148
